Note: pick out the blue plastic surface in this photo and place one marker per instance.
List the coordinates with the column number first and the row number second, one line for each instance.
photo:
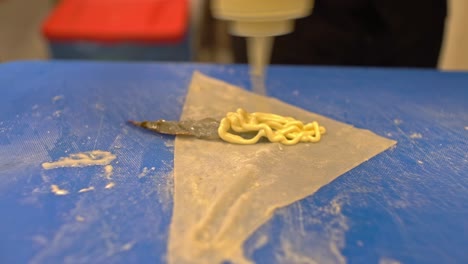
column 408, row 204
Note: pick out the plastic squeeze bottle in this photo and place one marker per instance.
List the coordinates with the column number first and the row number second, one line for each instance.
column 260, row 21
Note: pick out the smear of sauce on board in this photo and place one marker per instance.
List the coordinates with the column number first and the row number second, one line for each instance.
column 108, row 169
column 91, row 188
column 57, row 191
column 110, row 185
column 83, row 159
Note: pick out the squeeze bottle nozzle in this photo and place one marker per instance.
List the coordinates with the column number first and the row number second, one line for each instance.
column 260, row 21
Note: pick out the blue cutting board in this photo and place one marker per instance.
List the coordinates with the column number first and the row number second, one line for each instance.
column 407, row 205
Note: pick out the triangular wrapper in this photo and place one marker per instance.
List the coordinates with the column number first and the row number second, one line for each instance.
column 224, row 192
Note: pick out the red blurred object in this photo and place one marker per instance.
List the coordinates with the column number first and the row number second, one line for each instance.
column 154, row 21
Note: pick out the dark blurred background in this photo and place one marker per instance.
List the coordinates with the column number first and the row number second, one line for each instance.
column 21, row 37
